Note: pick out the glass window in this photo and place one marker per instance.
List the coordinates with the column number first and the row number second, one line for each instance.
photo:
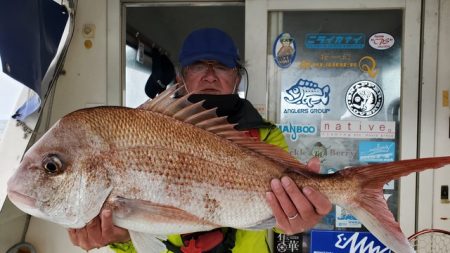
column 334, row 83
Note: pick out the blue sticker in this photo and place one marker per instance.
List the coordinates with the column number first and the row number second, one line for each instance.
column 308, row 93
column 284, row 50
column 376, row 151
column 335, row 40
column 344, row 242
column 297, row 130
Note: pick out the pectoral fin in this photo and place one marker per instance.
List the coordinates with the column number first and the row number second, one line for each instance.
column 144, row 243
column 154, row 218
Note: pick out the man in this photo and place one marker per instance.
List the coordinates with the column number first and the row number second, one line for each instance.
column 210, row 67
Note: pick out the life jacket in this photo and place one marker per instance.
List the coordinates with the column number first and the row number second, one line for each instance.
column 220, row 240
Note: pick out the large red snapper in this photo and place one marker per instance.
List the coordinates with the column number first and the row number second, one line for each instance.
column 163, row 169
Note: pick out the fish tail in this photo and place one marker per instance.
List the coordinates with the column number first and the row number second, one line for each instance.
column 369, row 205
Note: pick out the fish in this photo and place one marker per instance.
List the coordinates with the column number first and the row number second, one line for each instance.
column 172, row 167
column 308, row 93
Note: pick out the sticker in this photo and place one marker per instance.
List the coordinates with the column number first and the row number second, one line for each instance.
column 309, row 64
column 364, row 99
column 294, row 131
column 376, row 151
column 319, row 151
column 288, row 243
column 308, row 93
column 358, row 129
column 323, row 241
column 344, row 219
column 335, row 41
column 284, row 50
column 368, row 64
column 381, row 41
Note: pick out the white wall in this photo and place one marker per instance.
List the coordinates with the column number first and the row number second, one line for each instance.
column 83, row 84
column 442, row 145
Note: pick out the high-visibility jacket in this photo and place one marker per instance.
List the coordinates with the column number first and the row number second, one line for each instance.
column 246, row 241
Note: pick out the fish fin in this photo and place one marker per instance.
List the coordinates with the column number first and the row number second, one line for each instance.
column 369, row 205
column 163, row 218
column 265, row 224
column 194, row 113
column 144, row 242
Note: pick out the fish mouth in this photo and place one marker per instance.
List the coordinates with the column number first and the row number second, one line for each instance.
column 291, row 98
column 21, row 199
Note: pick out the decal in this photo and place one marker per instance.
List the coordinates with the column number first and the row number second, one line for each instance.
column 294, row 131
column 288, row 243
column 323, row 241
column 346, row 220
column 297, row 152
column 284, row 50
column 381, row 41
column 308, row 93
column 335, row 41
column 305, row 64
column 376, row 151
column 364, row 99
column 368, row 64
column 358, row 129
column 331, row 57
column 319, row 150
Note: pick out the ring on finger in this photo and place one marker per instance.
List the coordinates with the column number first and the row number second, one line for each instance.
column 293, row 217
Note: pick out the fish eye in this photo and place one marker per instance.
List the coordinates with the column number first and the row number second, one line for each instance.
column 52, row 164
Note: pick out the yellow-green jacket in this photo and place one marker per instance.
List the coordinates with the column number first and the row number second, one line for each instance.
column 246, row 241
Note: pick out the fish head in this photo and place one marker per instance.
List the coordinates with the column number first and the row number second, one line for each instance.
column 61, row 178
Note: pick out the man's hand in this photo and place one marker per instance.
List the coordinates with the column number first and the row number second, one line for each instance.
column 297, row 210
column 98, row 232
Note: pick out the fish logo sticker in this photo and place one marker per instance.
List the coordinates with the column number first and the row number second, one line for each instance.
column 381, row 41
column 284, row 50
column 364, row 99
column 308, row 93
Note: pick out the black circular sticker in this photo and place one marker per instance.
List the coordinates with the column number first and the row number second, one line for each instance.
column 364, row 99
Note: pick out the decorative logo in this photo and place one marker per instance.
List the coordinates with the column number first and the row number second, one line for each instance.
column 381, row 41
column 288, row 243
column 357, row 129
column 368, row 64
column 376, row 151
column 345, row 242
column 364, row 99
column 356, row 243
column 319, row 151
column 307, row 93
column 297, row 130
column 335, row 41
column 284, row 50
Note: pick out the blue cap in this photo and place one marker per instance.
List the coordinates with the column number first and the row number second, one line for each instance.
column 209, row 44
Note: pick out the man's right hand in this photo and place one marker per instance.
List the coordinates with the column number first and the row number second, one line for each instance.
column 98, row 232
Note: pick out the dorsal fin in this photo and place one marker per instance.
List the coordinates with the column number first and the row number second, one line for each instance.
column 182, row 109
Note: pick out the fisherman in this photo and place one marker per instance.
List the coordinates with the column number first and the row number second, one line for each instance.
column 210, row 66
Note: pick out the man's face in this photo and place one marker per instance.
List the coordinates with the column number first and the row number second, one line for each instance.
column 211, row 77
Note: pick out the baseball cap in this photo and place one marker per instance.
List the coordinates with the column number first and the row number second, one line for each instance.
column 209, row 44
